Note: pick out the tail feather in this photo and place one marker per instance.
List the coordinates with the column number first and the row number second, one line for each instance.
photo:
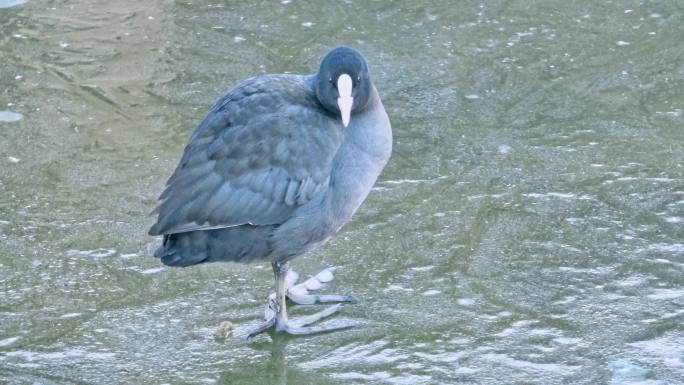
column 242, row 244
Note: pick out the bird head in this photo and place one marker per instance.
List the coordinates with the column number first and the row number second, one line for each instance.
column 342, row 83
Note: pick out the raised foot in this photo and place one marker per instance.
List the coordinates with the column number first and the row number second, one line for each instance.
column 299, row 292
column 298, row 326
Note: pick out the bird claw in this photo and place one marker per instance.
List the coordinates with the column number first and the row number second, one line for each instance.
column 298, row 326
column 269, row 323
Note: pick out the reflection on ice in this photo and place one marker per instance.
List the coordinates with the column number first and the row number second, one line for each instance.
column 8, row 341
column 9, row 116
column 624, row 371
column 11, row 3
column 97, row 253
column 530, row 366
column 31, row 356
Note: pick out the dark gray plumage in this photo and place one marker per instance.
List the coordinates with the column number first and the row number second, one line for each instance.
column 272, row 171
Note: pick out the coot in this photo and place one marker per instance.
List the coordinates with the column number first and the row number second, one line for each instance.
column 278, row 166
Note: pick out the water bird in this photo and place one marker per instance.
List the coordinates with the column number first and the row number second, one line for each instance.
column 277, row 167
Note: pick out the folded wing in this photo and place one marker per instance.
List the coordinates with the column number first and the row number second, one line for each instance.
column 262, row 151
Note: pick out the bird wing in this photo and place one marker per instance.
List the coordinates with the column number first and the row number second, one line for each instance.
column 265, row 149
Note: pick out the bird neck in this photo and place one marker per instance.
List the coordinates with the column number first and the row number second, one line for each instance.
column 365, row 150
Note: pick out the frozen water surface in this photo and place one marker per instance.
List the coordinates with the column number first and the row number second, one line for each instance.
column 528, row 228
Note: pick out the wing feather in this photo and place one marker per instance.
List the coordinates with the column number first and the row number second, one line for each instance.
column 264, row 150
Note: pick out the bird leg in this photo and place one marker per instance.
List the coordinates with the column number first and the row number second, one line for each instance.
column 285, row 285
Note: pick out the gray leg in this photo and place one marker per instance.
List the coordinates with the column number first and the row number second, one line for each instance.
column 280, row 270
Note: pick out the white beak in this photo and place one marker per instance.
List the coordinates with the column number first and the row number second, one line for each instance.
column 345, row 100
